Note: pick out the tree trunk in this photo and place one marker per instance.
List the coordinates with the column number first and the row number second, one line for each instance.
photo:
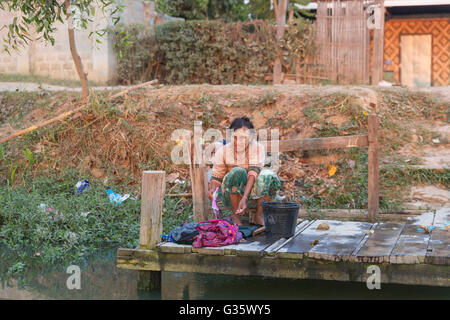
column 76, row 58
column 280, row 14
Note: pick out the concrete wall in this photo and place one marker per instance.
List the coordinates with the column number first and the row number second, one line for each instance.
column 99, row 61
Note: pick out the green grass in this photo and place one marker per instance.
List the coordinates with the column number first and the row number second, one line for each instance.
column 44, row 80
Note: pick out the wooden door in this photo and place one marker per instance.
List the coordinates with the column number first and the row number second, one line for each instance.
column 416, row 60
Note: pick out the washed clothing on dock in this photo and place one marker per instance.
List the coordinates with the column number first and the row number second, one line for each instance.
column 216, row 233
column 247, row 231
column 186, row 232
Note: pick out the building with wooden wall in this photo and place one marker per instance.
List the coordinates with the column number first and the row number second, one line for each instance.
column 417, row 42
column 407, row 45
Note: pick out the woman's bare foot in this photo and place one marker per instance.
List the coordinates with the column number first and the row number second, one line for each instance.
column 236, row 219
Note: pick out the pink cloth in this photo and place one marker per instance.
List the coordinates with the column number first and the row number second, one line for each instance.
column 216, row 233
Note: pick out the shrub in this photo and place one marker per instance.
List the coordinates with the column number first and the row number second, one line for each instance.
column 207, row 51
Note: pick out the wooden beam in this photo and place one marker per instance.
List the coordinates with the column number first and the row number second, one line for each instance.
column 267, row 266
column 319, row 143
column 378, row 37
column 373, row 168
column 199, row 180
column 152, row 200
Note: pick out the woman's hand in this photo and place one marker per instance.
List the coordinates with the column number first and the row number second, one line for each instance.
column 242, row 206
column 214, row 185
column 211, row 194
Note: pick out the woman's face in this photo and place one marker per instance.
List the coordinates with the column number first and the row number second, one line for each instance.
column 241, row 138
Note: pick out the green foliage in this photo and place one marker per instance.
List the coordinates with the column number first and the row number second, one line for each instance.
column 299, row 41
column 261, row 9
column 29, row 156
column 133, row 54
column 213, row 52
column 42, row 15
column 229, row 10
column 12, row 173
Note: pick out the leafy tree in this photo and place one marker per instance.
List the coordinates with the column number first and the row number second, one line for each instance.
column 263, row 9
column 42, row 16
column 229, row 10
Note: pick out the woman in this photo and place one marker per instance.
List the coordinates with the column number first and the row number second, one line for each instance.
column 238, row 169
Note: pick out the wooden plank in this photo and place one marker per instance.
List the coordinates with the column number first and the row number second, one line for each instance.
column 218, row 251
column 173, row 247
column 353, row 257
column 411, row 247
column 302, row 243
column 273, row 250
column 378, row 37
column 256, row 245
column 153, row 190
column 421, row 274
column 199, row 178
column 438, row 251
column 426, row 219
column 380, row 244
column 318, row 143
column 373, row 168
column 442, row 217
column 340, row 243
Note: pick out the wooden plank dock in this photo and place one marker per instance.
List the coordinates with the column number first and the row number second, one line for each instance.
column 343, row 252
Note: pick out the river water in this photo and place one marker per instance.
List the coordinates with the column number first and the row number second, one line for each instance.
column 100, row 279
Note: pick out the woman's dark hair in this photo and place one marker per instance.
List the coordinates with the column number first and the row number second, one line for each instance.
column 241, row 122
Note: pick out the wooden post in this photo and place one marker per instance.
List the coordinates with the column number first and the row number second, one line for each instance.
column 152, row 200
column 199, row 177
column 373, row 167
column 378, row 37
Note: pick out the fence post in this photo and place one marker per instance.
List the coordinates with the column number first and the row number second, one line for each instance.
column 199, row 179
column 152, row 200
column 373, row 167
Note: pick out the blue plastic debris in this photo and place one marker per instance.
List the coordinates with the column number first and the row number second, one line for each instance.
column 116, row 197
column 81, row 186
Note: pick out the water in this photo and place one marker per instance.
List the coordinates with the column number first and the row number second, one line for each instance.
column 102, row 280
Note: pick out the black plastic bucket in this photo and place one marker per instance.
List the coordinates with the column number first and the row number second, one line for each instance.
column 280, row 218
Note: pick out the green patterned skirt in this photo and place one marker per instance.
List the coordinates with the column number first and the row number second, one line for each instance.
column 234, row 182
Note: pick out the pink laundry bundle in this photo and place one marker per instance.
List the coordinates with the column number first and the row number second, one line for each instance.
column 216, row 233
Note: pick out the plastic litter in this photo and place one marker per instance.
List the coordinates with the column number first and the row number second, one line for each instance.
column 428, row 229
column 81, row 186
column 50, row 212
column 116, row 197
